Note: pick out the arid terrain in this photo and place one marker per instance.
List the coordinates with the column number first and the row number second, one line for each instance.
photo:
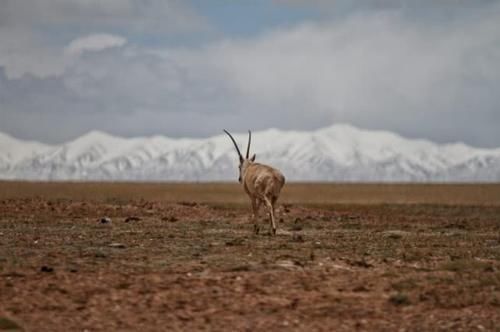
column 183, row 257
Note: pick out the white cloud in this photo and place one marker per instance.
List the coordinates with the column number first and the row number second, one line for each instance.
column 22, row 52
column 33, row 33
column 377, row 70
column 93, row 43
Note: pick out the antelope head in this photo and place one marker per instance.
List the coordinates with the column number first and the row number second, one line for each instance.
column 244, row 162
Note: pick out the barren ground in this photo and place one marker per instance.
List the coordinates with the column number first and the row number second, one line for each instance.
column 183, row 257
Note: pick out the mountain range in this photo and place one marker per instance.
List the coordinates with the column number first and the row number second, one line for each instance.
column 337, row 153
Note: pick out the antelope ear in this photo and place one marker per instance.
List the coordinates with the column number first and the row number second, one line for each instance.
column 253, row 157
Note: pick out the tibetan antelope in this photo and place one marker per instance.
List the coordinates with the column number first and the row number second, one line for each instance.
column 262, row 183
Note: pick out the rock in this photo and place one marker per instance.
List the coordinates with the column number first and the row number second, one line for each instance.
column 399, row 299
column 46, row 269
column 288, row 264
column 169, row 219
column 235, row 242
column 105, row 220
column 361, row 263
column 189, row 204
column 117, row 245
column 360, row 288
column 395, row 234
column 297, row 238
column 133, row 218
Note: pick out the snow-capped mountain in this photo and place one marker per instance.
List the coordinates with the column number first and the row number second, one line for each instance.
column 336, row 153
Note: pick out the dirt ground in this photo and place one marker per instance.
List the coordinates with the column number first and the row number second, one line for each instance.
column 94, row 260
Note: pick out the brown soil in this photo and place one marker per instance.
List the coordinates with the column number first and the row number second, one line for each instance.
column 187, row 265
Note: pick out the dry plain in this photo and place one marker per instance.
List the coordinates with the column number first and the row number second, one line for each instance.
column 366, row 257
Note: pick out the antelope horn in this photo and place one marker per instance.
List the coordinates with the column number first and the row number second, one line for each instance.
column 234, row 142
column 249, row 141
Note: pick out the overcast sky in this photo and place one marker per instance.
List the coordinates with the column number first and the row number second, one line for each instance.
column 427, row 69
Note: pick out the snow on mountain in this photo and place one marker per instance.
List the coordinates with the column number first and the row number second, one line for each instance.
column 13, row 151
column 336, row 153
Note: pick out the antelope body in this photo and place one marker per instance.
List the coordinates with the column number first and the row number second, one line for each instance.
column 262, row 183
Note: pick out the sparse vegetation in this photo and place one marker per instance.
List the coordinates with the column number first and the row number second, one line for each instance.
column 467, row 265
column 7, row 324
column 191, row 262
column 399, row 299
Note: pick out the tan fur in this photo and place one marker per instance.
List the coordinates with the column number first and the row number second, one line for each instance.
column 262, row 183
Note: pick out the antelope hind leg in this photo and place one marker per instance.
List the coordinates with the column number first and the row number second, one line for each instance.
column 255, row 215
column 270, row 207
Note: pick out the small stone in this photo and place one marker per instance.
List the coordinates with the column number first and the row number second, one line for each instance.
column 169, row 219
column 46, row 269
column 117, row 245
column 297, row 238
column 395, row 234
column 288, row 264
column 105, row 220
